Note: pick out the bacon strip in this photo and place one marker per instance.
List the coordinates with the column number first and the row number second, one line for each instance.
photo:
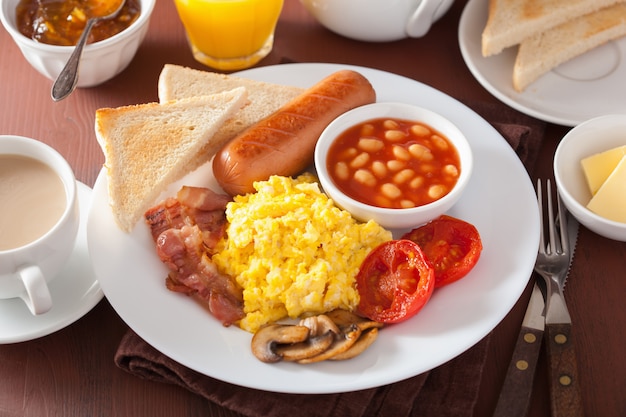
column 186, row 230
column 202, row 198
column 192, row 205
column 166, row 215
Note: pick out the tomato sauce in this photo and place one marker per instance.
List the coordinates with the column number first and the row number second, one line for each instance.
column 61, row 22
column 393, row 163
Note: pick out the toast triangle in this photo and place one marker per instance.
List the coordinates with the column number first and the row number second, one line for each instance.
column 149, row 146
column 544, row 51
column 176, row 82
column 511, row 21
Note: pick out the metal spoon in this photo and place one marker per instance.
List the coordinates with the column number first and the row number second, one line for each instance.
column 68, row 77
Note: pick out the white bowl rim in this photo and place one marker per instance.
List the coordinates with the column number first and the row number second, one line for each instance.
column 9, row 25
column 466, row 170
column 568, row 198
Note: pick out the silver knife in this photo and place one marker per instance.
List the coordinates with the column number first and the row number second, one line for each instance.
column 565, row 397
column 572, row 232
column 515, row 395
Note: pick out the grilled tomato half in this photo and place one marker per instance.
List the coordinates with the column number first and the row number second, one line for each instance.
column 394, row 282
column 452, row 245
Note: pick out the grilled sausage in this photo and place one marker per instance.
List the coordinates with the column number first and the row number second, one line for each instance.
column 284, row 142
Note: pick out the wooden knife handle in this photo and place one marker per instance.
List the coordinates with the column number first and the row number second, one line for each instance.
column 565, row 398
column 514, row 397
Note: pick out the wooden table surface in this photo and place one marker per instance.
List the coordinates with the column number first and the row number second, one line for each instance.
column 71, row 372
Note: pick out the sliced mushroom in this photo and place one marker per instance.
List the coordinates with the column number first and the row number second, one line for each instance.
column 267, row 339
column 341, row 343
column 369, row 324
column 337, row 335
column 310, row 347
column 345, row 318
column 319, row 324
column 366, row 339
column 322, row 332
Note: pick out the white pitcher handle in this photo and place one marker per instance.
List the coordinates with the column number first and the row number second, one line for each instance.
column 422, row 19
column 37, row 296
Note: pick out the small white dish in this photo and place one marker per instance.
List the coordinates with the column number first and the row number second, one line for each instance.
column 376, row 20
column 75, row 291
column 99, row 62
column 398, row 218
column 589, row 138
column 587, row 86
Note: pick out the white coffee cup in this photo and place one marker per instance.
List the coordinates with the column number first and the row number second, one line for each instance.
column 378, row 20
column 26, row 270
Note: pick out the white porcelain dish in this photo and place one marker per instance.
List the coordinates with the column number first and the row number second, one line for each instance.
column 591, row 137
column 588, row 86
column 75, row 291
column 378, row 20
column 100, row 61
column 499, row 200
column 388, row 217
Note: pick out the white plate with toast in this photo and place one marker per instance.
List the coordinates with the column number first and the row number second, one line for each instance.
column 499, row 201
column 587, row 86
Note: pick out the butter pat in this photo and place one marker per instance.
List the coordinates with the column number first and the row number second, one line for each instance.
column 610, row 199
column 598, row 167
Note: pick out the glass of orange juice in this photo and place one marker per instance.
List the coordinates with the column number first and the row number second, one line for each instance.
column 229, row 34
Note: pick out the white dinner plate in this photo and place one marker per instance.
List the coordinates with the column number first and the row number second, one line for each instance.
column 499, row 200
column 590, row 85
column 75, row 291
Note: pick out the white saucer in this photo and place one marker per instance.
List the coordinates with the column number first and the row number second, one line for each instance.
column 74, row 292
column 587, row 86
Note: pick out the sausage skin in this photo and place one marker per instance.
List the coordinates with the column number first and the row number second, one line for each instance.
column 283, row 143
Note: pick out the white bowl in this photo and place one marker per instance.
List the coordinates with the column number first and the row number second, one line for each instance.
column 390, row 217
column 593, row 136
column 100, row 61
column 378, row 20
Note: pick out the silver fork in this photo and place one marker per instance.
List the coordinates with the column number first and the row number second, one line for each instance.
column 552, row 264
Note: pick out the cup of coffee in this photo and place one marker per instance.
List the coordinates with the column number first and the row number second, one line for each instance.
column 378, row 20
column 229, row 34
column 39, row 219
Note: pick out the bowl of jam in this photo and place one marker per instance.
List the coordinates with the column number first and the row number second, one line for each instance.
column 46, row 31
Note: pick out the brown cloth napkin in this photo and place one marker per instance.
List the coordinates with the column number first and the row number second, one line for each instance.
column 449, row 390
column 522, row 132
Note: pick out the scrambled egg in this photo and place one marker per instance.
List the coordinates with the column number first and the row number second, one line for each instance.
column 293, row 251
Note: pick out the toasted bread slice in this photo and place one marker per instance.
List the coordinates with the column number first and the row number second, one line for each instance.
column 545, row 51
column 511, row 21
column 176, row 82
column 149, row 146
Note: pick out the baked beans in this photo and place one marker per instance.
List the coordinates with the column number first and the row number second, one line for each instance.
column 393, row 163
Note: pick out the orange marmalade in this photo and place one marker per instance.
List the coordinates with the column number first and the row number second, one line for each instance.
column 61, row 22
